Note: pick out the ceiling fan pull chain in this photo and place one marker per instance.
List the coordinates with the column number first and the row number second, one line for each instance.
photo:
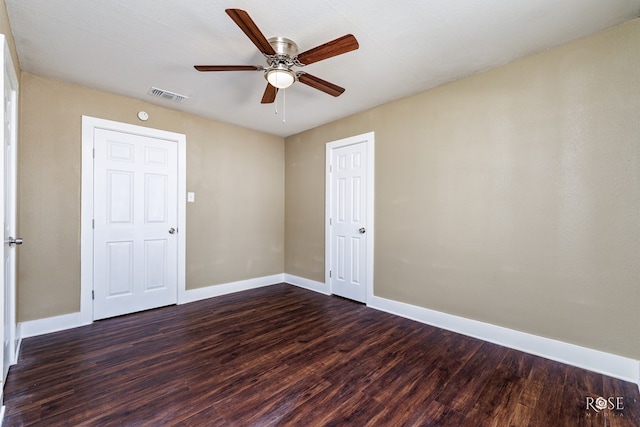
column 276, row 104
column 284, row 106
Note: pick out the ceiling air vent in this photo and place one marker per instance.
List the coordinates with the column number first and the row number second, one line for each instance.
column 171, row 96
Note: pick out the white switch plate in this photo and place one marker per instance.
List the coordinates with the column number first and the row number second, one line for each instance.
column 191, row 197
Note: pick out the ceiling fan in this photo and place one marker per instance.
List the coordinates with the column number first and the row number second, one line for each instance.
column 282, row 55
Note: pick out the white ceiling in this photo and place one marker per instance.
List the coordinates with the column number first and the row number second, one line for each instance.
column 406, row 46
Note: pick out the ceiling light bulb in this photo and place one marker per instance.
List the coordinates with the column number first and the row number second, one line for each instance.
column 280, row 77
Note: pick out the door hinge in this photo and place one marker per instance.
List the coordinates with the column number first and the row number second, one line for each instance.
column 330, row 168
column 329, row 273
column 93, row 223
column 93, row 295
column 330, row 221
column 94, row 153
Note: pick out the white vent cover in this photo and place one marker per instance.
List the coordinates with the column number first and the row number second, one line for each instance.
column 171, row 96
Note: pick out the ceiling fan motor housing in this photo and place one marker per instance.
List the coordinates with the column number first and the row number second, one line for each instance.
column 284, row 47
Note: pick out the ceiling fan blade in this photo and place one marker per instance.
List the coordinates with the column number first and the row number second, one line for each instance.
column 330, row 49
column 228, row 67
column 318, row 83
column 246, row 24
column 269, row 94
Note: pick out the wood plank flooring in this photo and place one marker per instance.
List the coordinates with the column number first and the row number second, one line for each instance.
column 282, row 355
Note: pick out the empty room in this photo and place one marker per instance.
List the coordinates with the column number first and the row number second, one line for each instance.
column 300, row 213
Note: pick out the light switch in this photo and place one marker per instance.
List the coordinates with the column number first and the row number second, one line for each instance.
column 191, row 197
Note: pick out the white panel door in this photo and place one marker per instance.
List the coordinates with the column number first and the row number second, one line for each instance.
column 9, row 164
column 135, row 229
column 348, row 275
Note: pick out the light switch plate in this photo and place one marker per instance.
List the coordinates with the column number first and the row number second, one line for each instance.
column 191, row 197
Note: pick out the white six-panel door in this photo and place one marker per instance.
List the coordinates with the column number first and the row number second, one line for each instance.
column 8, row 174
column 349, row 222
column 135, row 229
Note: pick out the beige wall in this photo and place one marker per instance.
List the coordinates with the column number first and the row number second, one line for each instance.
column 235, row 229
column 510, row 197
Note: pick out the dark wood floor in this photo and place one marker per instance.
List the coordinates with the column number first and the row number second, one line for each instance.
column 281, row 355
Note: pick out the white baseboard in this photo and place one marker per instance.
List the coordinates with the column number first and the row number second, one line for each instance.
column 32, row 328
column 593, row 360
column 312, row 285
column 198, row 294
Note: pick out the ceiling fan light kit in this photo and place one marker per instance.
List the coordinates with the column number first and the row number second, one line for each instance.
column 282, row 55
column 280, row 77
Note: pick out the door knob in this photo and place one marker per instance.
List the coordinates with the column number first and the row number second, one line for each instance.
column 17, row 241
column 362, row 230
column 172, row 230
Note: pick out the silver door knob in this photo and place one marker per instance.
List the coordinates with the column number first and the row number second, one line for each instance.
column 16, row 241
column 172, row 230
column 362, row 230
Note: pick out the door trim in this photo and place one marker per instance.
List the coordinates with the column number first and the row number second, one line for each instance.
column 86, row 221
column 9, row 71
column 369, row 140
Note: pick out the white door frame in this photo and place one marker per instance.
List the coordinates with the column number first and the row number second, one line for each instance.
column 10, row 73
column 369, row 139
column 86, row 231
